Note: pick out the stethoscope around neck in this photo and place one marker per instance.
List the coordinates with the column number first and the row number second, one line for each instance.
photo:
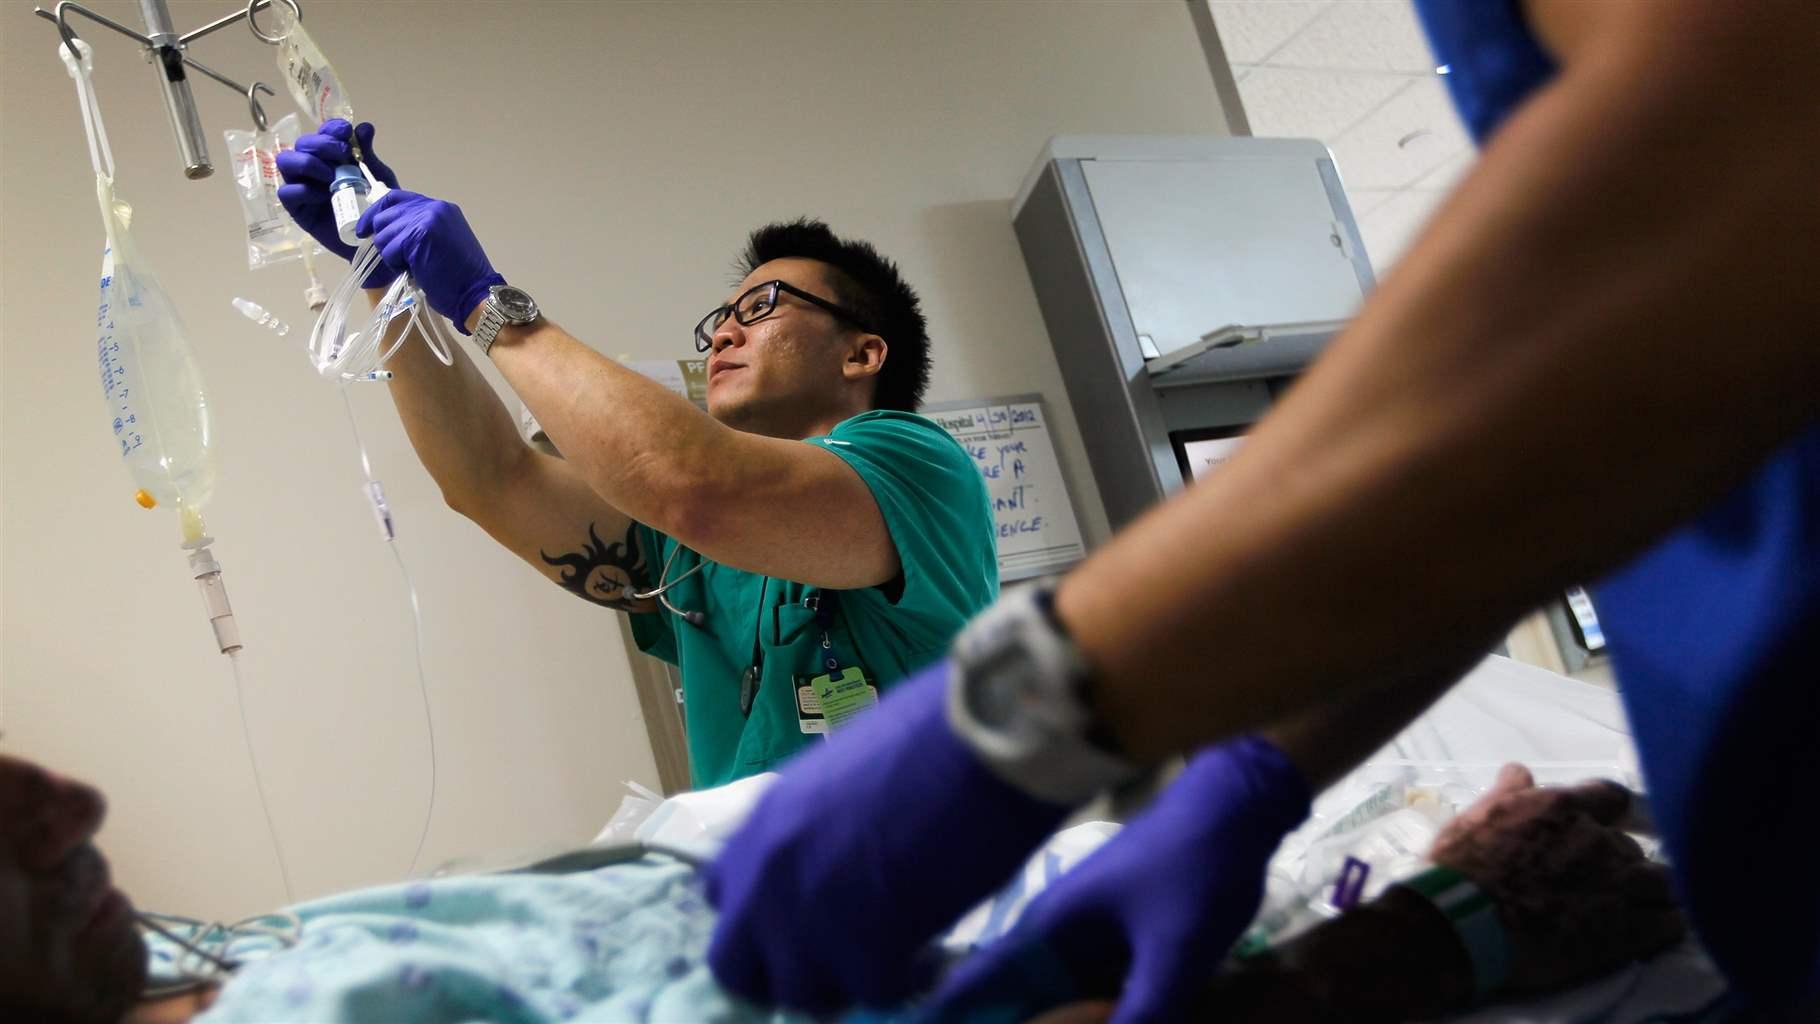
column 664, row 583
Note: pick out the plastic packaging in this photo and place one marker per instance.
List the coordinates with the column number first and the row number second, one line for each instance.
column 697, row 821
column 634, row 808
column 271, row 236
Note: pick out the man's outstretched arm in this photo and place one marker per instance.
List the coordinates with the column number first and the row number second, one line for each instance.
column 1608, row 326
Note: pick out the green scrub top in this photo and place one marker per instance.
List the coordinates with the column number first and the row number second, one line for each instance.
column 940, row 517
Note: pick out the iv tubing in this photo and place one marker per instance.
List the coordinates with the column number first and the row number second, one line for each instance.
column 356, row 356
column 423, row 686
column 252, row 755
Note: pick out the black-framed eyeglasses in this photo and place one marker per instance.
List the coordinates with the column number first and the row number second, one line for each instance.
column 760, row 301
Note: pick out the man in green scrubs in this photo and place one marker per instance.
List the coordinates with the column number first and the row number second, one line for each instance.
column 751, row 669
column 807, row 542
column 822, row 345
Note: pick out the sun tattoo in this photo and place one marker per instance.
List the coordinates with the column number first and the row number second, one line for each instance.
column 602, row 573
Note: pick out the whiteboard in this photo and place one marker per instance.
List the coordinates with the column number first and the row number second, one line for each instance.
column 1008, row 440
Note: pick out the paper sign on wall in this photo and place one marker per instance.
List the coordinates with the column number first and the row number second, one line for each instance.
column 686, row 377
column 1008, row 440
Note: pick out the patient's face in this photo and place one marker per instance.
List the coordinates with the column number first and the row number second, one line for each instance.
column 69, row 950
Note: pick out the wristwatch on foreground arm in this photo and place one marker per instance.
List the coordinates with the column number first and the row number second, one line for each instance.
column 505, row 306
column 1018, row 698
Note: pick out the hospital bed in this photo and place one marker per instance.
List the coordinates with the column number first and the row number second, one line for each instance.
column 1564, row 730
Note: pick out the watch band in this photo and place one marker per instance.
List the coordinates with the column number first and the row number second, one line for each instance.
column 1021, row 649
column 496, row 315
column 487, row 330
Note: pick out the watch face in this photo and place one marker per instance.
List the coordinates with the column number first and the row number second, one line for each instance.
column 515, row 303
column 999, row 688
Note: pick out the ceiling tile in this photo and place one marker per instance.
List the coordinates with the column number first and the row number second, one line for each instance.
column 1412, row 134
column 1310, row 104
column 1390, row 227
column 1364, row 200
column 1251, row 29
column 1445, row 177
column 1361, row 35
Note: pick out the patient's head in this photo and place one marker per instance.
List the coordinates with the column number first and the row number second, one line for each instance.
column 69, row 950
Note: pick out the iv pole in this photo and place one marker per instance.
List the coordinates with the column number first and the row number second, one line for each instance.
column 166, row 49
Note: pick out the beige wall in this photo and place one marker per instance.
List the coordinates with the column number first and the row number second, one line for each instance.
column 611, row 155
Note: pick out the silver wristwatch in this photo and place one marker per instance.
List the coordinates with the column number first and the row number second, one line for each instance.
column 505, row 305
column 1017, row 698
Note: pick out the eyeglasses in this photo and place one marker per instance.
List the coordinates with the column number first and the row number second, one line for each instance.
column 760, row 301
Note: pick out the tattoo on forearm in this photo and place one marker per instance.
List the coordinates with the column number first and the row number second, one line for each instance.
column 602, row 573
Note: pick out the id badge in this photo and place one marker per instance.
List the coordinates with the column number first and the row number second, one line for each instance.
column 839, row 697
column 809, row 717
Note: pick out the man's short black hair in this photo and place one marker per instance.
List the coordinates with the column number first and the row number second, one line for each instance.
column 869, row 285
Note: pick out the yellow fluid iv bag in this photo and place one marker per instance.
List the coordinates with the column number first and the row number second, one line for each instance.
column 157, row 408
column 156, row 405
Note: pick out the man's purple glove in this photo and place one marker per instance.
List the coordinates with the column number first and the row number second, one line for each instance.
column 865, row 848
column 1155, row 910
column 431, row 239
column 307, row 171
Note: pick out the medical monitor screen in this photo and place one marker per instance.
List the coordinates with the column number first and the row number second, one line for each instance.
column 1200, row 452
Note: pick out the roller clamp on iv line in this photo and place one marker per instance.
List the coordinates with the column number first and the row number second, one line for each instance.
column 1017, row 697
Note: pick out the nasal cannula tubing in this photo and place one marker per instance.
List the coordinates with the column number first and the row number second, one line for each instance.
column 208, row 949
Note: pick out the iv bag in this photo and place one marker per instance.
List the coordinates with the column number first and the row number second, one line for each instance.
column 271, row 235
column 157, row 409
column 312, row 82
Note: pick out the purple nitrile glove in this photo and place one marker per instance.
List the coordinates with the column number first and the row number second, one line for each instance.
column 1154, row 911
column 865, row 848
column 307, row 170
column 431, row 239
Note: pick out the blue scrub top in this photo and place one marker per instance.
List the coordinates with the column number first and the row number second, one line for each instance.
column 1714, row 632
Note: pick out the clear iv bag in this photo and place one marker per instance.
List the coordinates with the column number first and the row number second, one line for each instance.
column 312, row 82
column 155, row 403
column 157, row 409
